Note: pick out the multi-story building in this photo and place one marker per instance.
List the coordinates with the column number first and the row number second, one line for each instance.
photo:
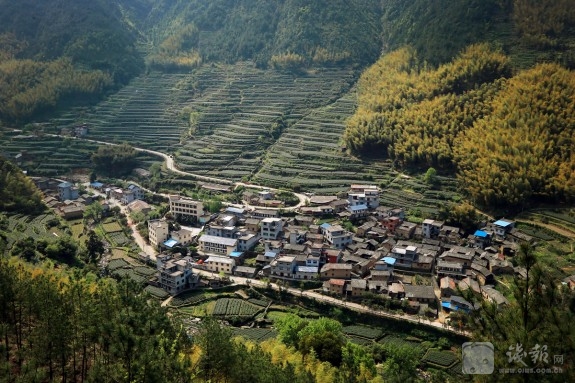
column 271, row 228
column 336, row 270
column 337, row 236
column 221, row 231
column 218, row 245
column 157, row 232
column 247, row 241
column 175, row 276
column 363, row 195
column 181, row 206
column 217, row 264
column 67, row 191
column 183, row 236
column 431, row 228
column 283, row 266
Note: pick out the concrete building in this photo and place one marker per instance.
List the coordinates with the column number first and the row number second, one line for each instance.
column 363, row 195
column 183, row 236
column 283, row 266
column 271, row 228
column 217, row 264
column 175, row 276
column 337, row 236
column 67, row 191
column 218, row 245
column 157, row 232
column 181, row 206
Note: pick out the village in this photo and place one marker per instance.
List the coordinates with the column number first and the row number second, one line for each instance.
column 346, row 246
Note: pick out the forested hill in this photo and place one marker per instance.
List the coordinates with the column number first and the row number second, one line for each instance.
column 510, row 136
column 17, row 192
column 284, row 33
column 89, row 32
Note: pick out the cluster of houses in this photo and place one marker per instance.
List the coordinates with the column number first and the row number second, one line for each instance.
column 67, row 200
column 383, row 255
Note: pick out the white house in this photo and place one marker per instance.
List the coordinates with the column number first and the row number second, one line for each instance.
column 271, row 228
column 218, row 264
column 337, row 236
column 218, row 245
column 181, row 206
column 157, row 232
column 175, row 276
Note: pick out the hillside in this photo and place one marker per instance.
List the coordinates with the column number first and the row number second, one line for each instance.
column 511, row 138
column 286, row 33
column 529, row 31
column 17, row 192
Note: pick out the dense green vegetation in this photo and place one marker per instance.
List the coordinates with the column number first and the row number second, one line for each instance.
column 17, row 192
column 114, row 160
column 541, row 314
column 289, row 33
column 511, row 138
column 56, row 52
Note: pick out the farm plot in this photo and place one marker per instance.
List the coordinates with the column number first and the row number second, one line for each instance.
column 442, row 359
column 21, row 227
column 235, row 307
column 156, row 292
column 111, row 227
column 187, row 299
column 243, row 115
column 363, row 332
column 309, row 153
column 391, row 339
column 259, row 302
column 47, row 155
column 118, row 238
column 255, row 334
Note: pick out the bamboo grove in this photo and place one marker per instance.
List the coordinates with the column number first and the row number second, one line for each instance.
column 510, row 136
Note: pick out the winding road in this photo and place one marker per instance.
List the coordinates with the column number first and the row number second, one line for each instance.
column 171, row 165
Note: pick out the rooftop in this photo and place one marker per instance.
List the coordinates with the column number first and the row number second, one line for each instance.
column 481, row 234
column 503, row 223
column 170, row 243
column 218, row 240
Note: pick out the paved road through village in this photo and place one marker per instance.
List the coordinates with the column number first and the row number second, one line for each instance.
column 140, row 241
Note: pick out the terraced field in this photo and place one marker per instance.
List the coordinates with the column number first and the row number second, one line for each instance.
column 243, row 112
column 45, row 155
column 238, row 122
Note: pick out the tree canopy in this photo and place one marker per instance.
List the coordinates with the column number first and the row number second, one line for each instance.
column 17, row 192
column 509, row 137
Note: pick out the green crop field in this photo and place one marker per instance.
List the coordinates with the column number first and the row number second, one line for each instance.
column 235, row 307
column 443, row 359
column 112, row 227
column 363, row 332
column 255, row 334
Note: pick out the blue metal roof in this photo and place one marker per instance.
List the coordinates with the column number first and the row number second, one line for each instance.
column 170, row 243
column 325, row 226
column 446, row 304
column 389, row 260
column 502, row 223
column 235, row 210
column 96, row 184
column 270, row 254
column 65, row 185
column 132, row 187
column 358, row 207
column 308, row 269
column 481, row 234
column 236, row 254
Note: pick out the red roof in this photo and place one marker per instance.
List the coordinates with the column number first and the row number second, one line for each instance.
column 337, row 282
